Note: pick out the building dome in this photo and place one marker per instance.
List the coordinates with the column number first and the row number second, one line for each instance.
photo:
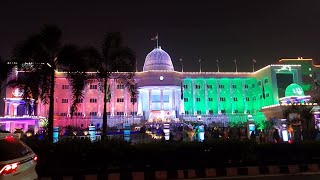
column 294, row 90
column 158, row 59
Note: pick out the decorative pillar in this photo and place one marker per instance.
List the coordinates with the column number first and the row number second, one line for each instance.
column 15, row 108
column 161, row 99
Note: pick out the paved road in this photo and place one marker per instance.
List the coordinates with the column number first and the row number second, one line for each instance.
column 304, row 176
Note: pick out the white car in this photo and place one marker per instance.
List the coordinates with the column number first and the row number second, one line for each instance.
column 17, row 160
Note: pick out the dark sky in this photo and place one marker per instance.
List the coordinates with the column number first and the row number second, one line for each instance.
column 207, row 29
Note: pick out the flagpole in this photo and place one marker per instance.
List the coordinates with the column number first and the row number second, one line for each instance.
column 253, row 61
column 181, row 65
column 157, row 41
column 218, row 65
column 235, row 62
column 200, row 64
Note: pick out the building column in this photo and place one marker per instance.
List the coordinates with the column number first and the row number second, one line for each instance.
column 150, row 100
column 231, row 96
column 84, row 101
column 173, row 100
column 206, row 96
column 15, row 108
column 161, row 99
column 244, row 97
column 7, row 108
column 69, row 100
column 125, row 97
column 99, row 97
column 218, row 93
column 112, row 100
column 139, row 104
column 194, row 97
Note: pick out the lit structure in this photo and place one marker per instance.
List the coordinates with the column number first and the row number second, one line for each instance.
column 166, row 95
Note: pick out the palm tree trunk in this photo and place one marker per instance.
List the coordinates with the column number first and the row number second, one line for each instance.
column 51, row 107
column 104, row 119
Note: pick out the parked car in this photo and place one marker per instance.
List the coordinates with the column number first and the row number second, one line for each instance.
column 17, row 160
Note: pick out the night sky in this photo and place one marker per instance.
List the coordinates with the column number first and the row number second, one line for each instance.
column 223, row 30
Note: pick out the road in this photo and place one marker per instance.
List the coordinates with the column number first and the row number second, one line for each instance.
column 304, row 176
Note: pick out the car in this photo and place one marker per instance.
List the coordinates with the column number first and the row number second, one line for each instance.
column 17, row 160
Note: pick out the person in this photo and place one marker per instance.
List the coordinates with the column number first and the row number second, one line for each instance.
column 252, row 136
column 276, row 136
column 262, row 137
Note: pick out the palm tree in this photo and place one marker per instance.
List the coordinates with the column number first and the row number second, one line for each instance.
column 115, row 58
column 46, row 54
column 5, row 70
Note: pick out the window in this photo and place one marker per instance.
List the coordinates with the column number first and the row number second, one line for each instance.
column 222, row 99
column 120, row 100
column 254, row 98
column 223, row 111
column 260, row 96
column 210, row 111
column 108, row 113
column 133, row 113
column 185, row 86
column 198, row 99
column 133, row 100
column 247, row 99
column 93, row 114
column 120, row 113
column 246, row 86
column 267, row 94
column 12, row 148
column 266, row 80
column 210, row 99
column 198, row 112
column 93, row 86
column 185, row 99
column 221, row 86
column 235, row 99
column 197, row 86
column 209, row 86
column 63, row 114
column 259, row 83
column 236, row 111
column 64, row 100
column 234, row 86
column 186, row 112
column 93, row 100
column 79, row 100
column 78, row 113
column 65, row 86
column 248, row 111
column 120, row 86
column 252, row 85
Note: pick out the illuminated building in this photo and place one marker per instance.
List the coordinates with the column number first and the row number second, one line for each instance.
column 168, row 95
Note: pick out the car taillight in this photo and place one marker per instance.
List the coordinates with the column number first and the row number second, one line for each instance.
column 35, row 158
column 9, row 168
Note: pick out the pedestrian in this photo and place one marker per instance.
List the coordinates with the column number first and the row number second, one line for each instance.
column 276, row 136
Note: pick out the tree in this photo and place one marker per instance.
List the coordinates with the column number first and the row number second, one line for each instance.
column 115, row 58
column 5, row 70
column 41, row 55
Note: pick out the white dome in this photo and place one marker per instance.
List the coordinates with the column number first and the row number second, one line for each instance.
column 158, row 59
